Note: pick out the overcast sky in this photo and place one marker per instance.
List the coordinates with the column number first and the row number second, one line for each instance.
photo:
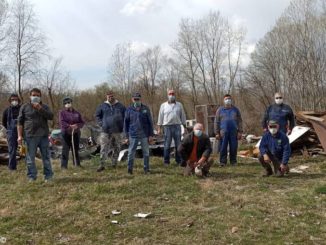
column 85, row 32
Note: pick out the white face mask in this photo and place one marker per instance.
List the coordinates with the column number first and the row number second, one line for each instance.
column 68, row 105
column 228, row 102
column 14, row 103
column 35, row 99
column 278, row 101
column 198, row 132
column 171, row 98
column 272, row 130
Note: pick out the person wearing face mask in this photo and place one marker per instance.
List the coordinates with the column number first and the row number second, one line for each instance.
column 281, row 113
column 170, row 118
column 110, row 117
column 32, row 125
column 228, row 129
column 9, row 121
column 70, row 121
column 195, row 150
column 138, row 127
column 274, row 148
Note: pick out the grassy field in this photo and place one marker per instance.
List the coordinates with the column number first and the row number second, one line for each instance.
column 234, row 206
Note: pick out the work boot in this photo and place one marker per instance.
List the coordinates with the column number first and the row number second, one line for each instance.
column 100, row 169
column 130, row 171
column 277, row 170
column 268, row 169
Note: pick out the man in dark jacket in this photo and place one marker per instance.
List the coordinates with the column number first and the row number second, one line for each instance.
column 195, row 150
column 32, row 125
column 281, row 113
column 9, row 121
column 110, row 117
column 274, row 148
column 138, row 127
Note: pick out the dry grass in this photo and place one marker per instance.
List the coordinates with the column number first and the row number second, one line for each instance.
column 76, row 207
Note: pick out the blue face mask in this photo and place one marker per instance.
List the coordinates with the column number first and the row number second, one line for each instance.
column 198, row 132
column 35, row 99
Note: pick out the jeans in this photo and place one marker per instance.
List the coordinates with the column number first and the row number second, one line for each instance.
column 172, row 132
column 12, row 148
column 228, row 139
column 66, row 146
column 133, row 142
column 41, row 142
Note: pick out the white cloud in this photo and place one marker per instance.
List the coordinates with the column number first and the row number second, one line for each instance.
column 139, row 7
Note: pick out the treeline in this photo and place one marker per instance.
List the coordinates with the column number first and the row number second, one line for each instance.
column 206, row 61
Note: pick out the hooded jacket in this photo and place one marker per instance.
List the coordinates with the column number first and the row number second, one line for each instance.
column 110, row 117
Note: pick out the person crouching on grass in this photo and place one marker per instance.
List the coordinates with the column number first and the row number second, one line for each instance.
column 274, row 148
column 195, row 150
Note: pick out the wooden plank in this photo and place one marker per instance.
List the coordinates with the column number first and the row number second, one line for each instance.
column 320, row 128
column 309, row 118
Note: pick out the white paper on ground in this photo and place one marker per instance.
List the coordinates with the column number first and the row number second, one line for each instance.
column 142, row 215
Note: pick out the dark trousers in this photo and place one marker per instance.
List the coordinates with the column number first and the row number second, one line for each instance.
column 228, row 139
column 275, row 161
column 66, row 146
column 12, row 148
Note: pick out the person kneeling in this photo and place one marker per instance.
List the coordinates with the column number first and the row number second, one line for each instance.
column 274, row 148
column 195, row 150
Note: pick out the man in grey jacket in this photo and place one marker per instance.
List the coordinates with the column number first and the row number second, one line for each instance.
column 33, row 128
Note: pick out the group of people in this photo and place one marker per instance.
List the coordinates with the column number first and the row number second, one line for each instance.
column 134, row 125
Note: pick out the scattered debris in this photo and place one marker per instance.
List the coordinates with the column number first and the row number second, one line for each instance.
column 190, row 223
column 308, row 138
column 116, row 212
column 3, row 240
column 315, row 139
column 299, row 169
column 234, row 229
column 115, row 222
column 142, row 215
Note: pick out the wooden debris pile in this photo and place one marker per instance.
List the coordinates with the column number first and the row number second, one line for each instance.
column 314, row 141
column 308, row 137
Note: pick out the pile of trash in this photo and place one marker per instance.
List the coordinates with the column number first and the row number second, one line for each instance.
column 314, row 140
column 308, row 137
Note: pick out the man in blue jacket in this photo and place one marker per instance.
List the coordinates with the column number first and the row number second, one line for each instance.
column 138, row 127
column 110, row 117
column 228, row 129
column 280, row 112
column 274, row 148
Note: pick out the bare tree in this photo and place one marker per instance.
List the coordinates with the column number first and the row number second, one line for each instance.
column 3, row 31
column 57, row 83
column 210, row 50
column 26, row 42
column 150, row 62
column 121, row 69
column 291, row 58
